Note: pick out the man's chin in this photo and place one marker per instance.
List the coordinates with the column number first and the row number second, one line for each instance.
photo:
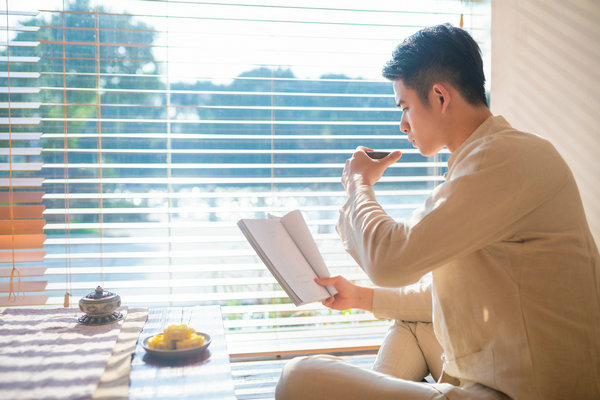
column 428, row 152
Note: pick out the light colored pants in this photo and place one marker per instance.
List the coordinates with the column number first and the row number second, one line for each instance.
column 409, row 352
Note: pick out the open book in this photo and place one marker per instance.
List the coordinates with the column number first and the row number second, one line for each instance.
column 289, row 251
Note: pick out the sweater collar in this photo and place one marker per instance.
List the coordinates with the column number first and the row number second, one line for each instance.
column 491, row 125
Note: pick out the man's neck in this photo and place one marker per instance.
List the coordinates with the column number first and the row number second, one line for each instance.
column 469, row 119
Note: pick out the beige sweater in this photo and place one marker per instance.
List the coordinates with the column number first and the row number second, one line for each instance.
column 515, row 287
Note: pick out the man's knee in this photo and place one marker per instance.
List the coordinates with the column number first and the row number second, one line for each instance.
column 297, row 376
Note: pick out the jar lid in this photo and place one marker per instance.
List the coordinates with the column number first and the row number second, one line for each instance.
column 99, row 293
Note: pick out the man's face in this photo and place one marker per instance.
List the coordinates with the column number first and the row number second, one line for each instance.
column 419, row 121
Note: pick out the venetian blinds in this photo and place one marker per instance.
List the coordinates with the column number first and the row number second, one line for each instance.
column 164, row 122
column 21, row 220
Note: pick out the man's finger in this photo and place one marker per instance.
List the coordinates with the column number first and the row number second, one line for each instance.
column 363, row 148
column 328, row 302
column 325, row 281
column 391, row 158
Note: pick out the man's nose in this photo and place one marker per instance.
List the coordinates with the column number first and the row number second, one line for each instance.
column 404, row 126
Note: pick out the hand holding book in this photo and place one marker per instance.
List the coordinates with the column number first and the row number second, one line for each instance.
column 349, row 295
column 289, row 251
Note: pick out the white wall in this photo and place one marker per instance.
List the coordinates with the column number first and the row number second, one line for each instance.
column 546, row 80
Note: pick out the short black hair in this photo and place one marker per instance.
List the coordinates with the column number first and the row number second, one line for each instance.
column 441, row 53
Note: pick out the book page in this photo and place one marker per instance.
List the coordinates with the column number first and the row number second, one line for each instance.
column 296, row 226
column 281, row 251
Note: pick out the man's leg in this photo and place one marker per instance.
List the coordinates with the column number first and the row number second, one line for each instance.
column 410, row 351
column 431, row 348
column 331, row 378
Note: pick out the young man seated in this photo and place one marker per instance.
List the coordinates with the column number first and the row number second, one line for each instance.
column 512, row 306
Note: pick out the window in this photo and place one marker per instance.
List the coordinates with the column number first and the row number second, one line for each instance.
column 163, row 122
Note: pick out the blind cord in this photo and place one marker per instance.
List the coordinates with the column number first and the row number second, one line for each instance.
column 68, row 284
column 13, row 294
column 99, row 143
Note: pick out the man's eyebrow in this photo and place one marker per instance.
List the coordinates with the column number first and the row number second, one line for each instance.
column 399, row 103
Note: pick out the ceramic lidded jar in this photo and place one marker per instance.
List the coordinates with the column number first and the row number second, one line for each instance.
column 100, row 307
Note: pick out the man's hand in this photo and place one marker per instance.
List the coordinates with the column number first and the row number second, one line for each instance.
column 360, row 169
column 348, row 296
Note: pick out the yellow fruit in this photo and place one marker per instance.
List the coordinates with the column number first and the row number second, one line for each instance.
column 156, row 342
column 177, row 332
column 176, row 337
column 164, row 346
column 193, row 341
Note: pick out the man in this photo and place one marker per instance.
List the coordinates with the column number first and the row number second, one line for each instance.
column 515, row 272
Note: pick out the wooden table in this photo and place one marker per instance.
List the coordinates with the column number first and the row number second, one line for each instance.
column 207, row 376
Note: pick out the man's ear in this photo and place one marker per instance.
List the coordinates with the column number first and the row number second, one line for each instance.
column 441, row 96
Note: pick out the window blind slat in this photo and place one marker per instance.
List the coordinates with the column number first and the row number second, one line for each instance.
column 27, row 286
column 22, row 226
column 22, row 182
column 139, row 210
column 22, row 241
column 12, row 74
column 21, row 211
column 20, row 135
column 191, row 266
column 25, row 271
column 21, row 151
column 232, row 165
column 21, row 257
column 29, row 300
column 227, row 181
column 20, row 166
column 261, row 194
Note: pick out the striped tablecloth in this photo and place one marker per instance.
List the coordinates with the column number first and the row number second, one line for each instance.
column 46, row 354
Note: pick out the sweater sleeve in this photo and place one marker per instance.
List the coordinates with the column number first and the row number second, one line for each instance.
column 490, row 189
column 409, row 303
